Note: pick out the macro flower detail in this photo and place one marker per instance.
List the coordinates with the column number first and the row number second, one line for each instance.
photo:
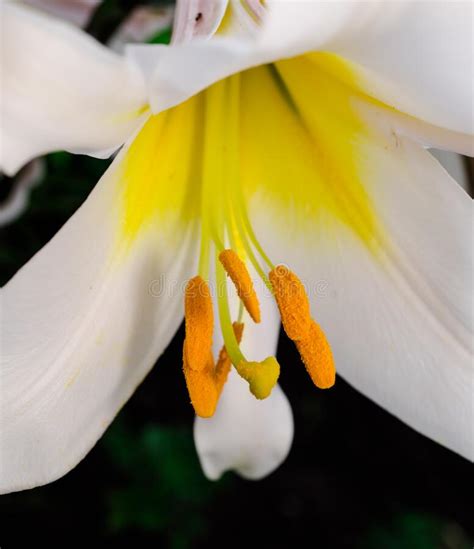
column 269, row 148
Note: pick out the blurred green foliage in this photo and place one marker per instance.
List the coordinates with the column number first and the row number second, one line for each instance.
column 162, row 37
column 416, row 531
column 162, row 487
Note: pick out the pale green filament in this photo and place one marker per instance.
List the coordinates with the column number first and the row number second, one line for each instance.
column 234, row 196
column 212, row 170
column 224, row 215
column 241, row 312
column 249, row 228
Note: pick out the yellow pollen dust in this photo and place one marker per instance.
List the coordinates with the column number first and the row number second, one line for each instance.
column 310, row 340
column 199, row 323
column 240, row 276
column 205, row 386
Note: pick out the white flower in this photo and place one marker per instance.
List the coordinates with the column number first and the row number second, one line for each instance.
column 294, row 135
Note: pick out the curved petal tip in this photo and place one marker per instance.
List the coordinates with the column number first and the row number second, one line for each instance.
column 246, row 435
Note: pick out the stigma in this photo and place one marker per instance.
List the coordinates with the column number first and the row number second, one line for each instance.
column 229, row 245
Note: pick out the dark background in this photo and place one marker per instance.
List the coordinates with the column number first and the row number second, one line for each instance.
column 356, row 476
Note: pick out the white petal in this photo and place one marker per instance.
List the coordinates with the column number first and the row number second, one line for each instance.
column 61, row 90
column 421, row 70
column 293, row 27
column 86, row 318
column 417, row 56
column 78, row 12
column 174, row 74
column 399, row 320
column 195, row 18
column 427, row 134
column 250, row 436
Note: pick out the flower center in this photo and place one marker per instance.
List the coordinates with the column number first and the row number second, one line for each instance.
column 229, row 242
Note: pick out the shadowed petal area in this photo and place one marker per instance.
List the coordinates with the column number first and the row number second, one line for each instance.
column 86, row 318
column 61, row 90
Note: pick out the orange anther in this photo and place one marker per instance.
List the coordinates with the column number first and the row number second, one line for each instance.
column 199, row 323
column 205, row 385
column 292, row 302
column 201, row 387
column 239, row 275
column 317, row 357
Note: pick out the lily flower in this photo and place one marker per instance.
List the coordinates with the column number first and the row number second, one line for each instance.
column 280, row 146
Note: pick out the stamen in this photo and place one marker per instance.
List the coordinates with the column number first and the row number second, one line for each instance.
column 237, row 218
column 201, row 386
column 239, row 275
column 292, row 301
column 199, row 323
column 247, row 226
column 261, row 376
column 225, row 223
column 310, row 340
column 230, row 341
column 205, row 386
column 317, row 357
column 223, row 362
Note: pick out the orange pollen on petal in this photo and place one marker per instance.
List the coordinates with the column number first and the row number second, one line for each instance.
column 240, row 276
column 317, row 357
column 205, row 386
column 199, row 323
column 292, row 302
